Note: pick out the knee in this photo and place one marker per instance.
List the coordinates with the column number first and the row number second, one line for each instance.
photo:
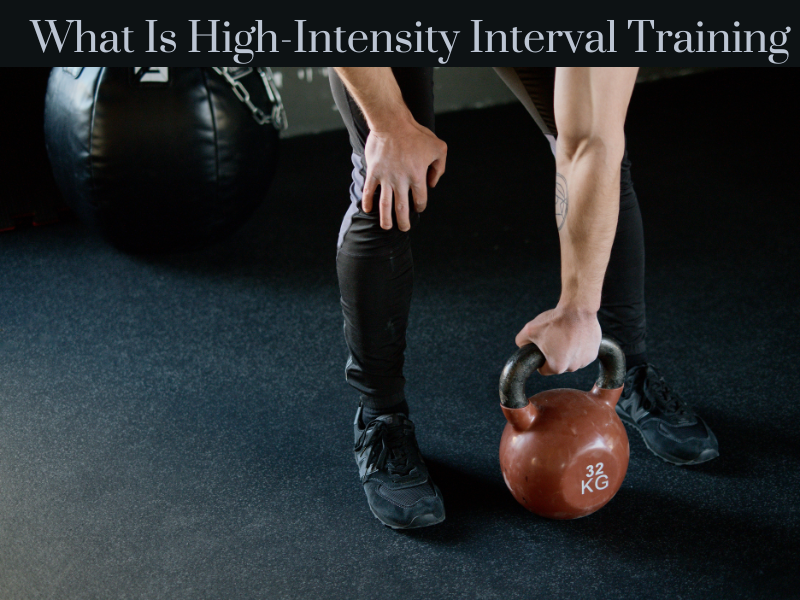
column 361, row 235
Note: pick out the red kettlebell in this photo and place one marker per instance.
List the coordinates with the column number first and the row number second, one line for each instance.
column 564, row 453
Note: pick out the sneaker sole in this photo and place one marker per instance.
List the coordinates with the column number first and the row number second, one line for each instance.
column 705, row 455
column 417, row 522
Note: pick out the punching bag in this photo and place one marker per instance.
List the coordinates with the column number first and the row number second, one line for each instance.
column 163, row 158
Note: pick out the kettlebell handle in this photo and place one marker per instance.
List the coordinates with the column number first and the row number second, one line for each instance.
column 529, row 358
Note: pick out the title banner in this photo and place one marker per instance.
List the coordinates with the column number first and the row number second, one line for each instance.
column 728, row 36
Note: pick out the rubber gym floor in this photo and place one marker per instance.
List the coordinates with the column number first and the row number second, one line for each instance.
column 179, row 426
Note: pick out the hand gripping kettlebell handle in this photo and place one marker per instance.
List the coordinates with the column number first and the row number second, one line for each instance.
column 529, row 358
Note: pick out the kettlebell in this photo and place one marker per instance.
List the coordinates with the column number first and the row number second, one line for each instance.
column 564, row 453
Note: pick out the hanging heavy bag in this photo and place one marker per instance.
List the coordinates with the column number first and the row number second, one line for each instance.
column 163, row 158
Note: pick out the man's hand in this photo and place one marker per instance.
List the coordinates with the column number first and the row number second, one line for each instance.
column 401, row 154
column 405, row 157
column 568, row 338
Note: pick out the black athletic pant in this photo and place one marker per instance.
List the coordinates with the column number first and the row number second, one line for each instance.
column 376, row 268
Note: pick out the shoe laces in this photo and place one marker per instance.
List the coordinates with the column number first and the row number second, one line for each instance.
column 396, row 447
column 658, row 393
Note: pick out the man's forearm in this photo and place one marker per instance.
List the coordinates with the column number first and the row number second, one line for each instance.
column 376, row 91
column 587, row 207
column 591, row 104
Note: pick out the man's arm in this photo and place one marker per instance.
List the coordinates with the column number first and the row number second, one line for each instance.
column 401, row 154
column 590, row 108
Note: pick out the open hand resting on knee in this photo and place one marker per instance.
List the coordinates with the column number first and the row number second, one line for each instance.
column 400, row 158
column 401, row 154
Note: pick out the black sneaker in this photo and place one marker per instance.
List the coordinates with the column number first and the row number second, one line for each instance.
column 399, row 490
column 669, row 426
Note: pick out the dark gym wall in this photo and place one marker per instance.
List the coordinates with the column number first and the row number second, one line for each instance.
column 310, row 105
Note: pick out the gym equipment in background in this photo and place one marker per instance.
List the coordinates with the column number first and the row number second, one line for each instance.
column 29, row 194
column 564, row 453
column 163, row 158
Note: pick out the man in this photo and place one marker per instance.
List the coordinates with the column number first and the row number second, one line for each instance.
column 396, row 156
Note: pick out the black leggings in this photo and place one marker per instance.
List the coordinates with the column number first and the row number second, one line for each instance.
column 376, row 268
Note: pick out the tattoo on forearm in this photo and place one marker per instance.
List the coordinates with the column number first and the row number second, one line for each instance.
column 562, row 200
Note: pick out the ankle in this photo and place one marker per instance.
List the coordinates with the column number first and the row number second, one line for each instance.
column 635, row 360
column 371, row 411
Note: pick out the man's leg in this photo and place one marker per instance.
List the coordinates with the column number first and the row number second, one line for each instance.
column 376, row 272
column 647, row 404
